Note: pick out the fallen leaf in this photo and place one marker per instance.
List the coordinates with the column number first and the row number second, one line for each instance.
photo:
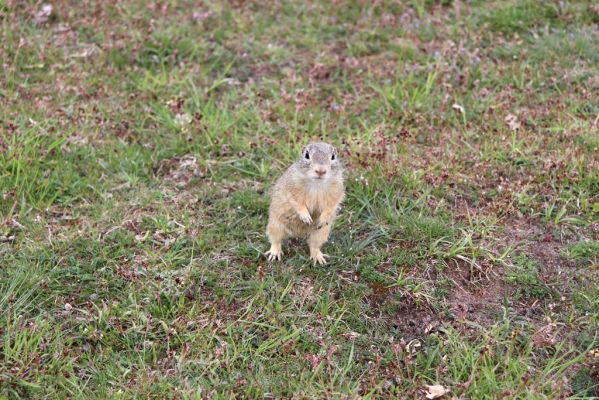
column 183, row 119
column 42, row 16
column 13, row 223
column 260, row 272
column 459, row 108
column 545, row 336
column 466, row 384
column 6, row 238
column 351, row 335
column 413, row 346
column 202, row 16
column 430, row 327
column 142, row 236
column 512, row 122
column 436, row 391
column 314, row 360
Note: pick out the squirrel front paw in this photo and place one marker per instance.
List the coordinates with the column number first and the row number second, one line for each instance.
column 306, row 217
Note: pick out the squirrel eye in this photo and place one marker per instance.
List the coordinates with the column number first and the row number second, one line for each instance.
column 333, row 156
column 307, row 155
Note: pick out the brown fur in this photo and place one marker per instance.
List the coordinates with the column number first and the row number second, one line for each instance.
column 303, row 204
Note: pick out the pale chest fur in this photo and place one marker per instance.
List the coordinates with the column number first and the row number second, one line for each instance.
column 320, row 198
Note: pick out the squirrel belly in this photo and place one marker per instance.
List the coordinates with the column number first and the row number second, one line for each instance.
column 317, row 198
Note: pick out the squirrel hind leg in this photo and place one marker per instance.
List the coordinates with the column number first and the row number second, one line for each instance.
column 276, row 234
column 274, row 253
column 315, row 240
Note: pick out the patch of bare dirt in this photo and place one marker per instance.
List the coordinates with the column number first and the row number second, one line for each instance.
column 540, row 244
column 480, row 302
column 179, row 170
column 482, row 305
column 548, row 253
column 413, row 320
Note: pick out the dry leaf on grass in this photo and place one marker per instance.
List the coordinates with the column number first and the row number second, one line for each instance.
column 201, row 16
column 351, row 335
column 436, row 391
column 42, row 16
column 458, row 108
column 512, row 122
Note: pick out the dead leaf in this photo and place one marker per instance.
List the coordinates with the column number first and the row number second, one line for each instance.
column 351, row 335
column 180, row 170
column 545, row 336
column 13, row 223
column 42, row 16
column 314, row 360
column 85, row 51
column 436, row 391
column 142, row 236
column 6, row 238
column 466, row 384
column 458, row 108
column 260, row 272
column 413, row 346
column 512, row 122
column 202, row 16
column 430, row 327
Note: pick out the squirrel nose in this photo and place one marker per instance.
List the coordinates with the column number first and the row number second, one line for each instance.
column 320, row 172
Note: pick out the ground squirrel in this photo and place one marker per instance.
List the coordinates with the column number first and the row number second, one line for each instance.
column 305, row 200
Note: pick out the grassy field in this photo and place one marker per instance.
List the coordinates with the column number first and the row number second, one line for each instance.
column 138, row 143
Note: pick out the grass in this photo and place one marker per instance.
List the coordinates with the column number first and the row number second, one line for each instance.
column 525, row 275
column 138, row 143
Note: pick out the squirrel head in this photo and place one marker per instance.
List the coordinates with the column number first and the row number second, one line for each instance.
column 320, row 161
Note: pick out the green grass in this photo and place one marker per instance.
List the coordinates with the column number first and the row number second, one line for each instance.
column 525, row 275
column 139, row 141
column 583, row 252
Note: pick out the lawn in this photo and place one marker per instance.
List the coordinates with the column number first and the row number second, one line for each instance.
column 138, row 144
